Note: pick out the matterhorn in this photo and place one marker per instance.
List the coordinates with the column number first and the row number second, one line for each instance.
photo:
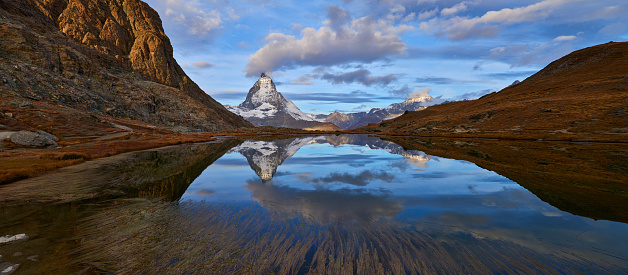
column 265, row 106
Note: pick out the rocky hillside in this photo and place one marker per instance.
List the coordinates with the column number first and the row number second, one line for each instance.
column 265, row 106
column 65, row 62
column 582, row 96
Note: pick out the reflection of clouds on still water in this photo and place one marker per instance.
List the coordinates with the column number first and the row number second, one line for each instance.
column 332, row 204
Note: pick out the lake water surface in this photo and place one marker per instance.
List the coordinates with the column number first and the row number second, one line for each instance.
column 329, row 204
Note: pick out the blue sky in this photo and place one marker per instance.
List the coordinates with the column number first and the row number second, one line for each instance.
column 353, row 55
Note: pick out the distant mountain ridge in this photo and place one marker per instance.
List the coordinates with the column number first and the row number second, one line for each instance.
column 376, row 115
column 265, row 106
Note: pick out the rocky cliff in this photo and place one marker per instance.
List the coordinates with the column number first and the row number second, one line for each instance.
column 101, row 58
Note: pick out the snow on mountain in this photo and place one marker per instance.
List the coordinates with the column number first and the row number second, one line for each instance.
column 376, row 115
column 264, row 157
column 265, row 106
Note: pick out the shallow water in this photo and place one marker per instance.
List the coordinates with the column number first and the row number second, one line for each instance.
column 328, row 204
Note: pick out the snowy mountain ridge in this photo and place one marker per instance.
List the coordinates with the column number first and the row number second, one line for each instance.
column 265, row 106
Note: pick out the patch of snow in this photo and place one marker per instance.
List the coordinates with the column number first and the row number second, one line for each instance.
column 264, row 147
column 295, row 112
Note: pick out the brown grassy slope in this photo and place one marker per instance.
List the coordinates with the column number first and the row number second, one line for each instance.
column 583, row 95
column 583, row 179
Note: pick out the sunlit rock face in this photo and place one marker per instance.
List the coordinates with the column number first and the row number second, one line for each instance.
column 108, row 58
column 265, row 106
column 265, row 156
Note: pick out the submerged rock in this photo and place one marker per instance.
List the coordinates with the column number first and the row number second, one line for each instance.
column 8, row 268
column 9, row 239
column 39, row 139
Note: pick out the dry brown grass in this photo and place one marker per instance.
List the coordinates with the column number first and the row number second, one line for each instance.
column 582, row 96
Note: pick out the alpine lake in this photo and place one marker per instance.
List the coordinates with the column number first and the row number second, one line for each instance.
column 334, row 204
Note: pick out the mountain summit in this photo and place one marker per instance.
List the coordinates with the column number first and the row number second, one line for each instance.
column 265, row 106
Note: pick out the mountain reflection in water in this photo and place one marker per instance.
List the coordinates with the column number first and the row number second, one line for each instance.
column 329, row 204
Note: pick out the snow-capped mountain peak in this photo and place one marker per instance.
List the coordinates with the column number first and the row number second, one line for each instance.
column 264, row 105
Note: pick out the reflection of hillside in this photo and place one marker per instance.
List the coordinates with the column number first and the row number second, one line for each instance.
column 265, row 156
column 416, row 158
column 164, row 172
column 322, row 205
column 50, row 208
column 587, row 180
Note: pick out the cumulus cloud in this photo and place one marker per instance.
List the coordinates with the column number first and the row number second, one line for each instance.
column 337, row 17
column 202, row 64
column 455, row 9
column 420, row 93
column 361, row 40
column 428, row 14
column 396, row 13
column 459, row 28
column 193, row 17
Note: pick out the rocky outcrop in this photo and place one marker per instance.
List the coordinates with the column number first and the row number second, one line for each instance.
column 110, row 57
column 38, row 139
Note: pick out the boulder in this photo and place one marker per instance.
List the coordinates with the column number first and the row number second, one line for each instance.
column 32, row 139
column 5, row 134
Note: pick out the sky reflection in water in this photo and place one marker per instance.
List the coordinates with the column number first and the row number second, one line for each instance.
column 334, row 179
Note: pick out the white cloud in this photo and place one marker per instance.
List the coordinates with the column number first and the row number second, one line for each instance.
column 458, row 28
column 455, row 9
column 363, row 39
column 419, row 93
column 193, row 17
column 428, row 14
column 565, row 38
column 396, row 13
